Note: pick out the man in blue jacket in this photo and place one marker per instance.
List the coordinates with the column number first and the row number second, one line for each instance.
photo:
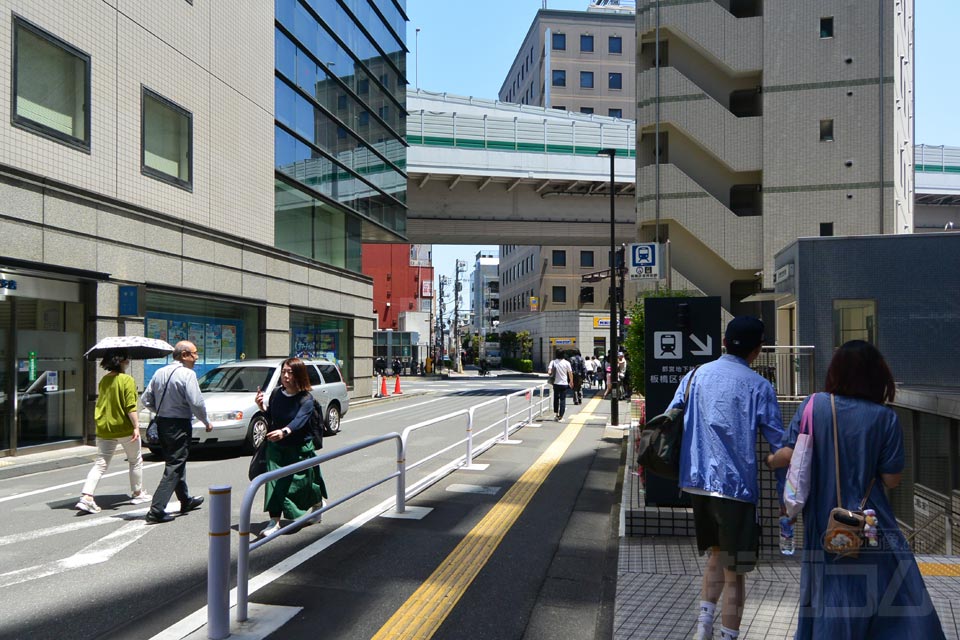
column 718, row 467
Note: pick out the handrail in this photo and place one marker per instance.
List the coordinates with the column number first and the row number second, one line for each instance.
column 402, row 439
column 246, row 506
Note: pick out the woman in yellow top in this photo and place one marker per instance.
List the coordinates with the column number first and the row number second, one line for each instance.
column 116, row 418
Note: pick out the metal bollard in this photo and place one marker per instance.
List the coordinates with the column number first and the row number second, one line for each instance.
column 218, row 565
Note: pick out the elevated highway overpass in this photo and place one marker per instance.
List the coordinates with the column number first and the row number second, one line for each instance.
column 486, row 172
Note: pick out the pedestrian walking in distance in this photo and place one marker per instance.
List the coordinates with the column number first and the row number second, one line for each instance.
column 174, row 395
column 117, row 424
column 561, row 377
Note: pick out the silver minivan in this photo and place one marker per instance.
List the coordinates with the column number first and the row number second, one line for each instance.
column 229, row 392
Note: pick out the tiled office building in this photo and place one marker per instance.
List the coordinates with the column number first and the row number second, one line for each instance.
column 580, row 61
column 777, row 120
column 140, row 192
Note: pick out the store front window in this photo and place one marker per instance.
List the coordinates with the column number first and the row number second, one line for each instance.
column 41, row 363
column 318, row 336
column 222, row 331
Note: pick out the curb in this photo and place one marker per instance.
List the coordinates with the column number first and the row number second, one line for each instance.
column 18, row 467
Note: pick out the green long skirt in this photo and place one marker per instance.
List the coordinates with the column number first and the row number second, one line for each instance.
column 292, row 495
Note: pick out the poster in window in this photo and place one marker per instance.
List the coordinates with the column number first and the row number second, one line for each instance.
column 178, row 331
column 157, row 329
column 228, row 342
column 212, row 344
column 196, row 337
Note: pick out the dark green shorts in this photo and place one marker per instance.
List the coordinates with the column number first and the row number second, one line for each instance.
column 730, row 525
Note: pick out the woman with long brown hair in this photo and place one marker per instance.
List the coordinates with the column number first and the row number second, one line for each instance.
column 289, row 441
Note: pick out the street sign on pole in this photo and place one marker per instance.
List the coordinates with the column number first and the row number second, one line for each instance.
column 644, row 261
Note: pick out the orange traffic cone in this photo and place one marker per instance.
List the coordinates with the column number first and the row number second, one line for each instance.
column 383, row 386
column 396, row 387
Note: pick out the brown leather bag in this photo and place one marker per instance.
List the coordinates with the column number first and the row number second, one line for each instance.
column 844, row 534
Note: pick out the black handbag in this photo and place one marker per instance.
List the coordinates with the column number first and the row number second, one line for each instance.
column 153, row 429
column 258, row 461
column 658, row 450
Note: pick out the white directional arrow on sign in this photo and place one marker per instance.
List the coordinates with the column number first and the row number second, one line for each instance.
column 703, row 349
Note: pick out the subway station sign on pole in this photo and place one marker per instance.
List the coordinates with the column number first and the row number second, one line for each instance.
column 644, row 261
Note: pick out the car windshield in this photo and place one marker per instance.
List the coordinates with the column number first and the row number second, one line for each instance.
column 235, row 379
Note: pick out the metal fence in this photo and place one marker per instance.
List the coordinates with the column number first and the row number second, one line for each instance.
column 526, row 405
column 790, row 369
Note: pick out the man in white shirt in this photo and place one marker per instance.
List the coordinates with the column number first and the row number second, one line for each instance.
column 561, row 377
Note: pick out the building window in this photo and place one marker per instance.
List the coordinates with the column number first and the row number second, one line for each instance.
column 826, row 27
column 854, row 320
column 615, row 44
column 586, row 258
column 826, row 131
column 559, row 78
column 586, row 43
column 51, row 86
column 586, row 79
column 615, row 113
column 586, row 110
column 559, row 295
column 586, row 295
column 559, row 258
column 560, row 107
column 167, row 140
column 826, row 229
column 616, row 81
column 559, row 42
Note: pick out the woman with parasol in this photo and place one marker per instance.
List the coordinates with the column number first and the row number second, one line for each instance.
column 116, row 413
column 116, row 419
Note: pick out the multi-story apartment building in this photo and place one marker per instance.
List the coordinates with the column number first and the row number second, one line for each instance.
column 189, row 171
column 579, row 61
column 485, row 293
column 776, row 120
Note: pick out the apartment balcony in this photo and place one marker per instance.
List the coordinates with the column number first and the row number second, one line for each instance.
column 736, row 43
column 734, row 141
column 736, row 239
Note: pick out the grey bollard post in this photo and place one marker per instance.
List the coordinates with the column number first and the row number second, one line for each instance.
column 218, row 565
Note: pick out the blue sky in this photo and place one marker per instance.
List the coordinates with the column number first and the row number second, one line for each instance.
column 466, row 47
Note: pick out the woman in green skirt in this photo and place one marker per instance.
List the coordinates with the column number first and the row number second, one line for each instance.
column 289, row 441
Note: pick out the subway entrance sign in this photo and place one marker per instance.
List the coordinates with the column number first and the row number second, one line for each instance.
column 679, row 334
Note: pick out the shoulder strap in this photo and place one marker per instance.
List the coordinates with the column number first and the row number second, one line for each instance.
column 164, row 394
column 686, row 393
column 836, row 448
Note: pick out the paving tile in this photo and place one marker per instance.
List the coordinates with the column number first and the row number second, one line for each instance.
column 658, row 590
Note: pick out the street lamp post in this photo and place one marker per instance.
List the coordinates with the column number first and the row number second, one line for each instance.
column 612, row 360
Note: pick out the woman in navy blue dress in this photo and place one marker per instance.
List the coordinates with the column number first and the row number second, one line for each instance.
column 879, row 594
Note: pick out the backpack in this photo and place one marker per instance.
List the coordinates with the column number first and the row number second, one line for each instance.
column 318, row 425
column 579, row 368
column 658, row 449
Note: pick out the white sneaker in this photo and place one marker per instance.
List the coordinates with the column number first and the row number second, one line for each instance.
column 703, row 632
column 141, row 497
column 272, row 527
column 88, row 505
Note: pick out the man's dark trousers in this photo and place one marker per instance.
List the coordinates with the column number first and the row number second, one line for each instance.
column 175, row 441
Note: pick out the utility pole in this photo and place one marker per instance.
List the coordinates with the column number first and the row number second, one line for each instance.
column 457, row 285
column 441, row 308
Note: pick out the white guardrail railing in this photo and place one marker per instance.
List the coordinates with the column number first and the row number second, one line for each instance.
column 580, row 136
column 535, row 399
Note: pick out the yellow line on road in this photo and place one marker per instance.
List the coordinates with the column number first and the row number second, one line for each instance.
column 939, row 569
column 424, row 611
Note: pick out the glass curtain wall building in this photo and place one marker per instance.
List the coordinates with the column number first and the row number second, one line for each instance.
column 340, row 153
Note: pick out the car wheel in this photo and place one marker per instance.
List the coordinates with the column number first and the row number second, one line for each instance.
column 256, row 433
column 333, row 417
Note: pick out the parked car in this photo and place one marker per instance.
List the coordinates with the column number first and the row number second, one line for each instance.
column 230, row 390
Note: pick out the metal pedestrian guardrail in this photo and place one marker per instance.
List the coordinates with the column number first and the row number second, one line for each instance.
column 537, row 400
